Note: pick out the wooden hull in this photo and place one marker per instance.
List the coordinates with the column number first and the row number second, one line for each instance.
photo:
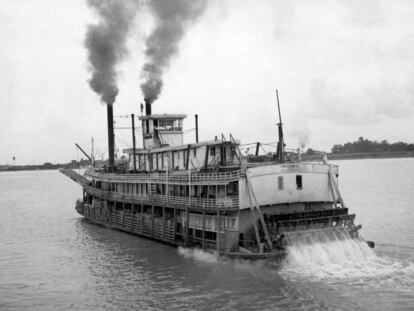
column 136, row 224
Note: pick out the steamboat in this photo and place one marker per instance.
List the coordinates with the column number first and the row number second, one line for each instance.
column 207, row 195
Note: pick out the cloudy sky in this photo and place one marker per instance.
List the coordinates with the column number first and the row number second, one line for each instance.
column 344, row 69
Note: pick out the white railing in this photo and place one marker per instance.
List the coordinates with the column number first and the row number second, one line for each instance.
column 308, row 168
column 172, row 177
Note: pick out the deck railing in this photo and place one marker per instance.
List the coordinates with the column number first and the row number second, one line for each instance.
column 222, row 177
column 307, row 168
column 229, row 203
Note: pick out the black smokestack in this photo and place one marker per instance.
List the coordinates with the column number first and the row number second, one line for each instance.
column 172, row 17
column 147, row 106
column 111, row 147
column 106, row 44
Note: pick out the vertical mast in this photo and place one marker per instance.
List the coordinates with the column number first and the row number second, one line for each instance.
column 281, row 144
column 92, row 153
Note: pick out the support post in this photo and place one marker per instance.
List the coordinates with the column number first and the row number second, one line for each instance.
column 204, row 229
column 123, row 211
column 152, row 219
column 333, row 181
column 163, row 222
column 187, row 161
column 142, row 218
column 206, row 157
column 257, row 208
column 218, row 231
column 186, row 237
column 132, row 216
column 174, row 221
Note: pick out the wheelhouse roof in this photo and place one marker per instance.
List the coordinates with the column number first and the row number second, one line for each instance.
column 164, row 116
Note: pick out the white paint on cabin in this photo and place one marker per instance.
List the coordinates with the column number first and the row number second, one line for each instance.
column 278, row 184
column 162, row 130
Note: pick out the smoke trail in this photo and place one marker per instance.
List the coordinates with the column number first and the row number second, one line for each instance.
column 106, row 43
column 172, row 17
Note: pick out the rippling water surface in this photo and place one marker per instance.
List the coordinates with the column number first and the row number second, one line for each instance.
column 51, row 259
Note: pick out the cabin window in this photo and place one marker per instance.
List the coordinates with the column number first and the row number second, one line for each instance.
column 280, row 185
column 166, row 124
column 221, row 191
column 212, row 151
column 299, row 182
column 233, row 189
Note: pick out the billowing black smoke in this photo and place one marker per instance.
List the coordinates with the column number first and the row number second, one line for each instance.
column 172, row 17
column 106, row 43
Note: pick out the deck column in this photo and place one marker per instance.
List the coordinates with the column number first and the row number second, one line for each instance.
column 163, row 221
column 123, row 211
column 218, row 231
column 174, row 221
column 186, row 237
column 152, row 220
column 142, row 217
column 204, row 229
column 132, row 216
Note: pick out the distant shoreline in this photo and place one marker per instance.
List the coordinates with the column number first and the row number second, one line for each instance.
column 360, row 155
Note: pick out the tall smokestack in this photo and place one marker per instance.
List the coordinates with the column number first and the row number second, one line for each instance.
column 172, row 18
column 147, row 106
column 111, row 151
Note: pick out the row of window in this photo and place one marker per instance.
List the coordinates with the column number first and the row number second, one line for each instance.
column 176, row 158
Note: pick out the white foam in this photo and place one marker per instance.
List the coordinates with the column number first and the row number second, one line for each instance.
column 198, row 254
column 341, row 257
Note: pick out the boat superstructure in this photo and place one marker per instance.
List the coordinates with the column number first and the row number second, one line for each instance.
column 205, row 194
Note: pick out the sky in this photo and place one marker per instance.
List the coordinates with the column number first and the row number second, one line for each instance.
column 343, row 69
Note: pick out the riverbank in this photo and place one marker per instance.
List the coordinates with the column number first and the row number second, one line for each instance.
column 360, row 155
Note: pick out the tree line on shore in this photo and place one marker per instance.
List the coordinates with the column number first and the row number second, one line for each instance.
column 363, row 145
column 366, row 145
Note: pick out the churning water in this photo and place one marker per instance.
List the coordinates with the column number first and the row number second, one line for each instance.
column 333, row 254
column 52, row 259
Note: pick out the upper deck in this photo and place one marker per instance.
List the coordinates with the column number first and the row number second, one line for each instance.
column 194, row 177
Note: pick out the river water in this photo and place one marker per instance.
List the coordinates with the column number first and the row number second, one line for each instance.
column 52, row 259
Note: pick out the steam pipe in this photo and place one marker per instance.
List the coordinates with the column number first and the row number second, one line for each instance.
column 111, row 147
column 196, row 127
